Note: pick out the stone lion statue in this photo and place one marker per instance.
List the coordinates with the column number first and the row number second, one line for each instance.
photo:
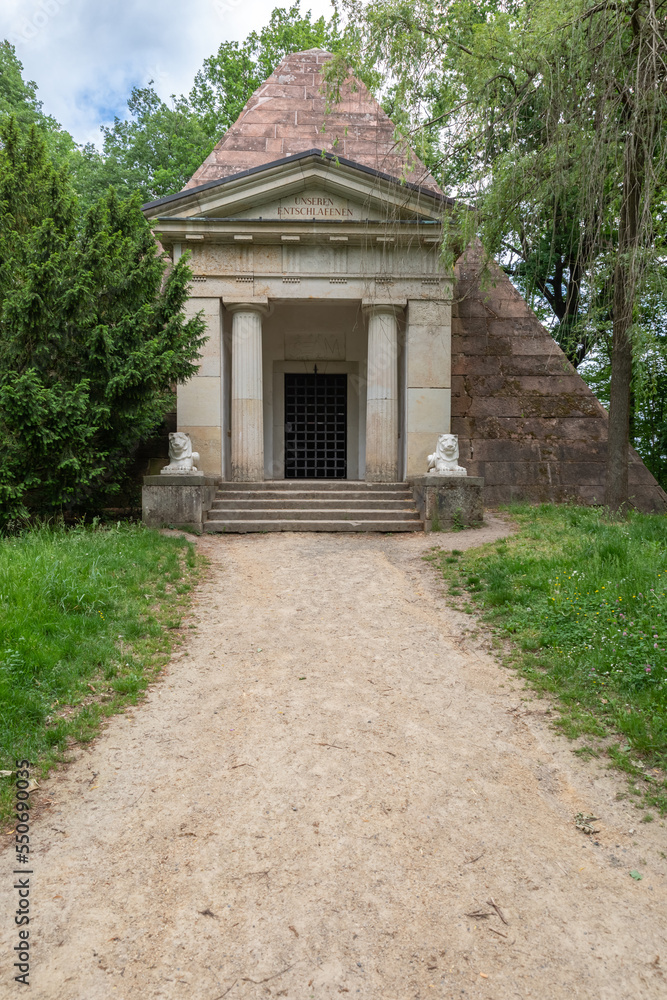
column 444, row 460
column 181, row 456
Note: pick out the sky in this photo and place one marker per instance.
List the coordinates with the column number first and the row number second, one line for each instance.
column 86, row 55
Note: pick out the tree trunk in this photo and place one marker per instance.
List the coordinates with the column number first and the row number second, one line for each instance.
column 616, row 490
column 616, row 487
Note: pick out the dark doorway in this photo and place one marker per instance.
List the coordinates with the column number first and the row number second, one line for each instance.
column 315, row 426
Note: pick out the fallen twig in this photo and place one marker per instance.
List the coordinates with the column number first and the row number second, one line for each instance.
column 228, row 990
column 494, row 931
column 258, row 982
column 240, row 765
column 263, row 874
column 334, row 745
column 473, row 860
column 491, row 902
column 584, row 823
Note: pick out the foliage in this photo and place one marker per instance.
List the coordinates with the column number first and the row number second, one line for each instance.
column 87, row 618
column 92, row 335
column 153, row 152
column 583, row 601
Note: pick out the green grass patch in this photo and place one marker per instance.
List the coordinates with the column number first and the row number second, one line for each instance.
column 582, row 598
column 88, row 616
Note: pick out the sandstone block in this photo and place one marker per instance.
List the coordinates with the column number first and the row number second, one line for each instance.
column 447, row 500
column 178, row 501
column 199, row 402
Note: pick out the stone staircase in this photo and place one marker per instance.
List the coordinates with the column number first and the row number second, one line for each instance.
column 313, row 505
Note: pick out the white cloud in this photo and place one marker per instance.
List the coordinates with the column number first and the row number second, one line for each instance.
column 86, row 55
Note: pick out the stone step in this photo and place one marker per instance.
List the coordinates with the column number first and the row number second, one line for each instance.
column 239, row 527
column 300, row 485
column 314, row 514
column 334, row 496
column 313, row 505
column 310, row 502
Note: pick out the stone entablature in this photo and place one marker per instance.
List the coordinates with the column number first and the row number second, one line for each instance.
column 311, row 257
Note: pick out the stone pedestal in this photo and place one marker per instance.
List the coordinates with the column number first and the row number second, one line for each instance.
column 247, row 393
column 178, row 501
column 382, row 395
column 449, row 501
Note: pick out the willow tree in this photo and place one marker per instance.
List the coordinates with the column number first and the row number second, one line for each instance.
column 548, row 117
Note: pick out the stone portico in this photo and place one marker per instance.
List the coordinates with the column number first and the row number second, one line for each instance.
column 307, row 265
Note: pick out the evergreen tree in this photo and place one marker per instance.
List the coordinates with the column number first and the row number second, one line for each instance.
column 92, row 333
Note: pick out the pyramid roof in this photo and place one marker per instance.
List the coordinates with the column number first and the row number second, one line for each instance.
column 290, row 114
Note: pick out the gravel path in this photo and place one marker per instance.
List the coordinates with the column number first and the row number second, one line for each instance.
column 332, row 775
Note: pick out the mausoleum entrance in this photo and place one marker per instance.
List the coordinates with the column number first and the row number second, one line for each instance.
column 315, row 426
column 314, row 361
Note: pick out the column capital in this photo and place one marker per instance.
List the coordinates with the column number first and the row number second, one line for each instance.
column 392, row 307
column 246, row 303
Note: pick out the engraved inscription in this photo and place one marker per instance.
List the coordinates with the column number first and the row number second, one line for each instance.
column 314, row 206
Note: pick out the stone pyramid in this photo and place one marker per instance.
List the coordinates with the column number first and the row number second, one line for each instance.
column 526, row 419
column 290, row 114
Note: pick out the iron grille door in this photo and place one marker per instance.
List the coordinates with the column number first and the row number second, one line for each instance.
column 315, row 426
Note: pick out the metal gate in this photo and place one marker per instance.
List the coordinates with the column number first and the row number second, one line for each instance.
column 315, row 426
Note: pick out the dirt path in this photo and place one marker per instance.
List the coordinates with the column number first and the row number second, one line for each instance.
column 329, row 778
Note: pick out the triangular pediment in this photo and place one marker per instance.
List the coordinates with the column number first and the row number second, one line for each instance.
column 308, row 187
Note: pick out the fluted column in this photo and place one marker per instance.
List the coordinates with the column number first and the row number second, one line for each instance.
column 247, row 396
column 382, row 395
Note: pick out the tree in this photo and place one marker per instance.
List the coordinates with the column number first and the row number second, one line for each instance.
column 154, row 152
column 553, row 114
column 92, row 333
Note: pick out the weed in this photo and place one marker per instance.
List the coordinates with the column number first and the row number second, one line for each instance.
column 586, row 752
column 458, row 523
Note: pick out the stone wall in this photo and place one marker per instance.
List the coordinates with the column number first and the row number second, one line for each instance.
column 527, row 422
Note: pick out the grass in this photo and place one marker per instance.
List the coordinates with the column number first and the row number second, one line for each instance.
column 582, row 600
column 88, row 617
